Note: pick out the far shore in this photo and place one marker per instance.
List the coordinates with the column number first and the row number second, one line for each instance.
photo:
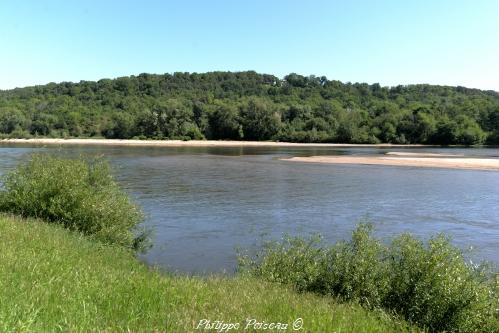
column 419, row 161
column 403, row 159
column 193, row 143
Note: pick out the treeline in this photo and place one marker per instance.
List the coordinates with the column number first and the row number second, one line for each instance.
column 251, row 106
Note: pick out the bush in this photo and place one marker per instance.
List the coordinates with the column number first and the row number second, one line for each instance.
column 80, row 194
column 356, row 270
column 434, row 286
column 428, row 284
column 295, row 261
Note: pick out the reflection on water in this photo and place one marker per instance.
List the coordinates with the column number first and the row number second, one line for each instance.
column 204, row 202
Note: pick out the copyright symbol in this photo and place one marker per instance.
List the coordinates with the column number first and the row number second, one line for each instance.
column 298, row 324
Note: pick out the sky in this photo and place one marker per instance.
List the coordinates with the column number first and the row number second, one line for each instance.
column 389, row 42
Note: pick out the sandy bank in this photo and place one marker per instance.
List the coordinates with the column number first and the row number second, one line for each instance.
column 397, row 153
column 427, row 162
column 192, row 143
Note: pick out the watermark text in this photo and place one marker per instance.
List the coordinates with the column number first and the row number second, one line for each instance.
column 248, row 324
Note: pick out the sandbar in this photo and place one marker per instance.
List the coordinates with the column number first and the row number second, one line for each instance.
column 424, row 162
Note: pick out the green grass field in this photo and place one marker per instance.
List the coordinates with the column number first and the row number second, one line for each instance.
column 52, row 279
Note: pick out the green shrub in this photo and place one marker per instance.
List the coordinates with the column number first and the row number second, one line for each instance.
column 294, row 261
column 80, row 194
column 428, row 284
column 356, row 270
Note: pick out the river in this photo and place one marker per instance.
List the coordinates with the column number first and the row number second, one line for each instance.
column 204, row 202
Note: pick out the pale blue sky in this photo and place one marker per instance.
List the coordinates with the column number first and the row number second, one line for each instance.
column 390, row 42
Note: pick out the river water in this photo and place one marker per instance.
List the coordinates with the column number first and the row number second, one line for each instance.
column 204, row 202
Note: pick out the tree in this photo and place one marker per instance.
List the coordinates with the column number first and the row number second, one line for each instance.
column 175, row 120
column 224, row 122
column 122, row 126
column 12, row 119
column 261, row 119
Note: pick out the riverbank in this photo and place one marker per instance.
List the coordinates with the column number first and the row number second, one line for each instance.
column 407, row 160
column 55, row 279
column 191, row 143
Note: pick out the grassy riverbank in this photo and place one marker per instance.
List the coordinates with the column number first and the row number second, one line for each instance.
column 55, row 279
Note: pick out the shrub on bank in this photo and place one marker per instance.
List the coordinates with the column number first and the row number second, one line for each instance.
column 81, row 194
column 429, row 284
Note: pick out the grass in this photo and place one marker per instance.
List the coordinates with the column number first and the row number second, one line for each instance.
column 53, row 279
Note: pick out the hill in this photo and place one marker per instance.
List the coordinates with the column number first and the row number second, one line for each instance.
column 251, row 106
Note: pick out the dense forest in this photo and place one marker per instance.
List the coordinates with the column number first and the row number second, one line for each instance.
column 251, row 106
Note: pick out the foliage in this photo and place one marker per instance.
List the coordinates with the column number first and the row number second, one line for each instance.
column 79, row 194
column 430, row 285
column 54, row 280
column 248, row 105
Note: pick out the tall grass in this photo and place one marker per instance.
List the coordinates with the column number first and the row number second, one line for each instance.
column 54, row 280
column 80, row 194
column 430, row 284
